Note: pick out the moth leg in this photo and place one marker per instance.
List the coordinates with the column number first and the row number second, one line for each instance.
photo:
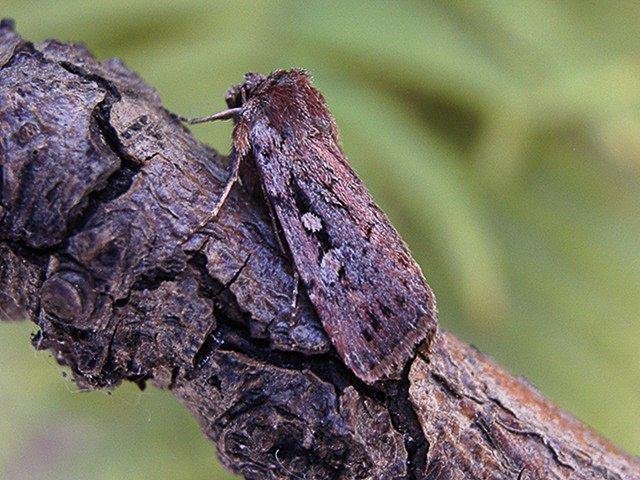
column 234, row 175
column 233, row 178
column 235, row 162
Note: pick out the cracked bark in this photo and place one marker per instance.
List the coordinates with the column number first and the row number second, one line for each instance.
column 102, row 192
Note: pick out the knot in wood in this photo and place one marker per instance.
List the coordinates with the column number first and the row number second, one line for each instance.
column 68, row 296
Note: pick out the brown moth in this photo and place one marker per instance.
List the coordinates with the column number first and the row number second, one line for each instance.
column 367, row 290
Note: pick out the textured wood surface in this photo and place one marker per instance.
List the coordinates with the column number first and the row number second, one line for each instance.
column 102, row 192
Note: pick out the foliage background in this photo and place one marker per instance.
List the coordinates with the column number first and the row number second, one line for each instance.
column 502, row 138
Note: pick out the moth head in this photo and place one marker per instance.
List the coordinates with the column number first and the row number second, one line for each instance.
column 240, row 93
column 286, row 100
column 255, row 84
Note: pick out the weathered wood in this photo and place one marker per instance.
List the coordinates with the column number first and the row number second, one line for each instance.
column 102, row 192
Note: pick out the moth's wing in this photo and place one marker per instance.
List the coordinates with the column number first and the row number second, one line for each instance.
column 367, row 290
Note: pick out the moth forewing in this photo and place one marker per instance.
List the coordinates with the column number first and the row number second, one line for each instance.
column 367, row 290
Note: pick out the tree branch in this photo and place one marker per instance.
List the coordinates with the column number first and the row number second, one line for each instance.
column 102, row 193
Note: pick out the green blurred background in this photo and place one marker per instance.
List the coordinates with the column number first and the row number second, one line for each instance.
column 503, row 140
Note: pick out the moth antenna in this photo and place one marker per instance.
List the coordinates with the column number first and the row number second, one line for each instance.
column 223, row 115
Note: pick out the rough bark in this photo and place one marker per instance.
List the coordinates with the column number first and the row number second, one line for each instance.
column 102, row 192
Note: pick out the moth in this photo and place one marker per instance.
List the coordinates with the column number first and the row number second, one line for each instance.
column 367, row 290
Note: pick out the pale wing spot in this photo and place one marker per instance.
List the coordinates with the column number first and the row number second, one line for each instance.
column 311, row 222
column 330, row 266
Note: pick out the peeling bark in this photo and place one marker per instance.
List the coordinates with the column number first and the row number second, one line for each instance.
column 101, row 196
